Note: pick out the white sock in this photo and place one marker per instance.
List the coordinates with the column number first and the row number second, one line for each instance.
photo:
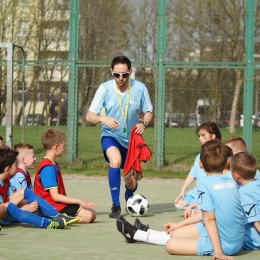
column 152, row 237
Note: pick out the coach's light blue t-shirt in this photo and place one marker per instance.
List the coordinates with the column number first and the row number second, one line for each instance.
column 106, row 97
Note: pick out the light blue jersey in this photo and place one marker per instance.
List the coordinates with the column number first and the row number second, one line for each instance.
column 250, row 200
column 196, row 171
column 229, row 175
column 219, row 194
column 192, row 196
column 107, row 97
column 17, row 182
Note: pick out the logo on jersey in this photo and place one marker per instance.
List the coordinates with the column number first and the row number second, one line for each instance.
column 249, row 210
column 200, row 193
column 132, row 102
column 21, row 182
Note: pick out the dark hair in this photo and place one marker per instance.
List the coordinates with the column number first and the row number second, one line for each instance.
column 1, row 138
column 7, row 158
column 214, row 156
column 121, row 60
column 210, row 127
column 244, row 164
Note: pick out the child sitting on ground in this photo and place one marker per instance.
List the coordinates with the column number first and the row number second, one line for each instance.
column 25, row 161
column 217, row 231
column 243, row 167
column 22, row 178
column 237, row 144
column 206, row 131
column 9, row 212
column 48, row 181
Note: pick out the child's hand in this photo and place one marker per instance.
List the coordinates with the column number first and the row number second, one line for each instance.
column 85, row 203
column 181, row 195
column 223, row 257
column 32, row 207
column 188, row 211
column 170, row 226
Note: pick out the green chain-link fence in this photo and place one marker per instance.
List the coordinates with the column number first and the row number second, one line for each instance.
column 198, row 59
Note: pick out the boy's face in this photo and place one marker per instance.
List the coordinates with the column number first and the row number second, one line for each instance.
column 29, row 159
column 26, row 158
column 235, row 176
column 60, row 148
column 12, row 169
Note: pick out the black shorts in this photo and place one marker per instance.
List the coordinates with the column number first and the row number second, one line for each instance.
column 71, row 210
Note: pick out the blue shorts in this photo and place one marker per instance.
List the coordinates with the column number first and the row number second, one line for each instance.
column 191, row 196
column 204, row 245
column 108, row 141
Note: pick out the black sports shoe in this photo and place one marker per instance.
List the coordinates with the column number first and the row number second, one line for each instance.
column 138, row 224
column 69, row 220
column 57, row 224
column 115, row 211
column 126, row 229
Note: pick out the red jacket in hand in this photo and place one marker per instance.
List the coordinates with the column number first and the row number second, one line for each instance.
column 138, row 152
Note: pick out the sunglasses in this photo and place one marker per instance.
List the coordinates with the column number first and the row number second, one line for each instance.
column 124, row 75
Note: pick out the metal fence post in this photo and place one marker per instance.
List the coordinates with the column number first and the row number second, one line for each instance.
column 160, row 84
column 9, row 94
column 249, row 72
column 73, row 87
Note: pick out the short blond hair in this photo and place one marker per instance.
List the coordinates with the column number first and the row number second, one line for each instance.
column 237, row 144
column 52, row 137
column 22, row 146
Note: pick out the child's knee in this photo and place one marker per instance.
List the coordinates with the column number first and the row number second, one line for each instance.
column 87, row 215
column 93, row 216
column 169, row 246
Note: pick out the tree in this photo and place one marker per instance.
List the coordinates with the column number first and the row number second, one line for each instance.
column 102, row 35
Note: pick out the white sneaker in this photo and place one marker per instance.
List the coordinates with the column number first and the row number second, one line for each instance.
column 180, row 207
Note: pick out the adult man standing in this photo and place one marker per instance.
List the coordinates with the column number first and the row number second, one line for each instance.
column 123, row 99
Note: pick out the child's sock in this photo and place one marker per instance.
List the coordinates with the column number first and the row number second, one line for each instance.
column 27, row 217
column 44, row 206
column 114, row 180
column 128, row 192
column 152, row 237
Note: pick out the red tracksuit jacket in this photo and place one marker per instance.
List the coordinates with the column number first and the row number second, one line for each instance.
column 138, row 152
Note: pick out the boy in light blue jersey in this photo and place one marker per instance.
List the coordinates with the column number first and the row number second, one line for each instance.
column 25, row 161
column 237, row 144
column 21, row 178
column 243, row 167
column 123, row 100
column 217, row 230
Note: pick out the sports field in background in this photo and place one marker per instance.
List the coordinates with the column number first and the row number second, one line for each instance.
column 100, row 240
column 181, row 148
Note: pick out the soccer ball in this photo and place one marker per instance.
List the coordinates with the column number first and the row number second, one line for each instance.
column 137, row 205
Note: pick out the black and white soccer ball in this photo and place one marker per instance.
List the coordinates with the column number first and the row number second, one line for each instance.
column 137, row 205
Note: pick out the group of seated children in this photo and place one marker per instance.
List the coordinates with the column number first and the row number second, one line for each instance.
column 228, row 215
column 52, row 207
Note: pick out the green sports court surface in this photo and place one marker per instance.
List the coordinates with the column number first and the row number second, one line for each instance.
column 100, row 240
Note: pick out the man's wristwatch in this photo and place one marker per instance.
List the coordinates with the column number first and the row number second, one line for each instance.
column 145, row 124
